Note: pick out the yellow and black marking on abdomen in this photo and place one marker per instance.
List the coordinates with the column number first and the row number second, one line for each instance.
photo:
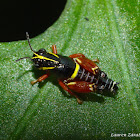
column 100, row 81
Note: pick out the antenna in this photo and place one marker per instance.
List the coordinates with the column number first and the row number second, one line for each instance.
column 27, row 36
column 23, row 58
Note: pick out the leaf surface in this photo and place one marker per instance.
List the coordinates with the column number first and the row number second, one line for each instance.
column 103, row 29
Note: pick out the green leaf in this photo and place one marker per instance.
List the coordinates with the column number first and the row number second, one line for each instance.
column 102, row 29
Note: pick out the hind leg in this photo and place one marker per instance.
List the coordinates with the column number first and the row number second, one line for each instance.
column 69, row 91
column 85, row 63
column 81, row 86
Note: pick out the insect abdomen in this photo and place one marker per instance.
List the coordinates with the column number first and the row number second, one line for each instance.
column 106, row 84
column 100, row 80
column 84, row 75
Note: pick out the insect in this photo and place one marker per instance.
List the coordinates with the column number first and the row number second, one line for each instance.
column 75, row 74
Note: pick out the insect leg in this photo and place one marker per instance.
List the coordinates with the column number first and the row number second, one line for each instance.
column 69, row 91
column 87, row 64
column 76, row 55
column 81, row 55
column 81, row 86
column 43, row 77
column 96, row 60
column 54, row 49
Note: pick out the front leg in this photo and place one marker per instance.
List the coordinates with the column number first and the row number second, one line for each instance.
column 54, row 49
column 43, row 77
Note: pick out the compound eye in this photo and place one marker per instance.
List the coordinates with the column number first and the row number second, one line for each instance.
column 42, row 51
